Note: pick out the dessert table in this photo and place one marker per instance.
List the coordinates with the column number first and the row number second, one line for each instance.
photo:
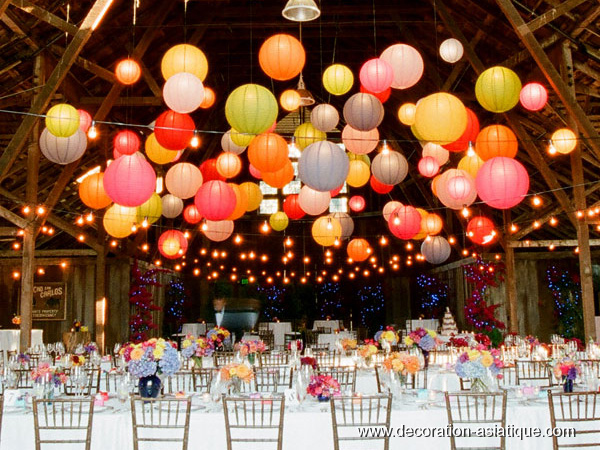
column 331, row 325
column 9, row 339
column 429, row 324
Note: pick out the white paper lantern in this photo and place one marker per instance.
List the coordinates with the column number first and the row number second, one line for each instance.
column 436, row 249
column 313, row 202
column 323, row 166
column 183, row 92
column 456, row 189
column 63, row 150
column 346, row 222
column 324, row 117
column 451, row 50
column 363, row 112
column 389, row 167
column 183, row 179
column 171, row 206
column 439, row 153
column 229, row 146
column 389, row 208
column 219, row 230
column 407, row 63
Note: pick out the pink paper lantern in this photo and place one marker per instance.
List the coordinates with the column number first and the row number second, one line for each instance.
column 85, row 120
column 218, row 231
column 407, row 65
column 481, row 230
column 357, row 203
column 533, row 96
column 130, row 180
column 174, row 130
column 458, row 187
column 126, row 142
column 172, row 244
column 502, row 182
column 313, row 202
column 192, row 215
column 215, row 200
column 376, row 75
column 428, row 166
column 405, row 222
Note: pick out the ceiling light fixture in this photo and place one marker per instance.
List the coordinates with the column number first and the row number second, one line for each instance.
column 301, row 10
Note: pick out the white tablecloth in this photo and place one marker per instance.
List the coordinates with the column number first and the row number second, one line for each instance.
column 9, row 339
column 429, row 324
column 279, row 329
column 331, row 338
column 329, row 324
column 195, row 329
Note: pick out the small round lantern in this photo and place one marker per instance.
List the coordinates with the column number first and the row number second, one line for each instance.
column 436, row 249
column 440, row 118
column 406, row 113
column 253, row 194
column 358, row 173
column 215, row 200
column 533, row 96
column 564, row 141
column 229, row 146
column 291, row 207
column 326, row 230
column 406, row 63
column 191, row 214
column 389, row 167
column 358, row 249
column 184, row 58
column 376, row 75
column 379, row 187
column 502, row 182
column 157, row 153
column 290, row 100
column 306, row 134
column 172, row 244
column 174, row 130
column 63, row 150
column 209, row 98
column 279, row 221
column 118, row 220
column 323, row 166
column 183, row 92
column 85, row 120
column 338, row 79
column 126, row 142
column 496, row 140
column 209, row 170
column 405, row 222
column 437, row 152
column 229, row 165
column 313, row 202
column 428, row 166
column 324, row 117
column 470, row 164
column 346, row 222
column 251, row 109
column 130, row 180
column 357, row 203
column 389, row 208
column 241, row 202
column 171, row 206
column 451, row 50
column 62, row 120
column 218, row 231
column 363, row 112
column 481, row 230
column 92, row 193
column 282, row 57
column 150, row 210
column 432, row 224
column 183, row 180
column 497, row 89
column 128, row 71
column 280, row 178
column 360, row 142
column 268, row 152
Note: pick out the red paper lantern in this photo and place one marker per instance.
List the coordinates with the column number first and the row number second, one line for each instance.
column 379, row 187
column 428, row 166
column 469, row 135
column 502, row 182
column 357, row 203
column 192, row 215
column 382, row 96
column 376, row 75
column 291, row 207
column 209, row 170
column 496, row 140
column 336, row 191
column 126, row 142
column 405, row 222
column 209, row 98
column 172, row 244
column 359, row 249
column 533, row 96
column 128, row 71
column 129, row 180
column 174, row 130
column 85, row 120
column 215, row 200
column 481, row 230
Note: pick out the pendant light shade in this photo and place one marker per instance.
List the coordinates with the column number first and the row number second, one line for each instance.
column 301, row 10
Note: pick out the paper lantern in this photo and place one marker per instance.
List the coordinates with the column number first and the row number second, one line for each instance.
column 428, row 166
column 437, row 152
column 324, row 117
column 280, row 178
column 363, row 112
column 469, row 135
column 183, row 180
column 209, row 98
column 406, row 63
column 360, row 142
column 229, row 165
column 306, row 134
column 346, row 222
column 130, row 180
column 85, row 120
column 431, row 224
column 358, row 174
column 126, row 142
column 183, row 92
column 406, row 113
column 241, row 202
column 254, row 172
column 389, row 167
column 376, row 75
column 92, row 193
column 434, row 184
column 253, row 194
column 456, row 189
column 451, row 50
column 337, row 79
column 171, row 206
column 358, row 249
column 150, row 210
column 209, row 170
column 497, row 89
column 336, row 191
column 251, row 109
column 119, row 220
column 436, row 249
column 281, row 57
column 362, row 158
column 215, row 200
column 290, row 100
column 481, row 230
column 440, row 118
column 471, row 163
column 389, row 208
column 292, row 208
column 405, row 222
column 191, row 214
column 502, row 182
column 218, row 231
column 564, row 141
column 229, row 146
column 357, row 203
column 326, row 230
column 128, row 71
column 421, row 234
column 172, row 244
column 323, row 166
column 279, row 221
column 157, row 153
column 313, row 202
column 268, row 152
column 496, row 140
column 382, row 96
column 63, row 150
column 62, row 120
column 184, row 58
column 174, row 130
column 379, row 187
column 533, row 96
column 241, row 139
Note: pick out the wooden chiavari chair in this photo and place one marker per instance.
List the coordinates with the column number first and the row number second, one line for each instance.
column 327, row 358
column 345, row 375
column 578, row 412
column 266, row 379
column 533, row 372
column 92, row 385
column 202, row 379
column 63, row 421
column 23, row 378
column 274, row 359
column 181, row 381
column 161, row 422
column 289, row 337
column 263, row 326
column 593, row 365
column 417, row 381
column 223, row 358
column 267, row 337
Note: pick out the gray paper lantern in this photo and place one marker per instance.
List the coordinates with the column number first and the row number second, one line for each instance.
column 363, row 112
column 229, row 146
column 171, row 206
column 324, row 117
column 323, row 166
column 347, row 224
column 389, row 167
column 63, row 150
column 436, row 249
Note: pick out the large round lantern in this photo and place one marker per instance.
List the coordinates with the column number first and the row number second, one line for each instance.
column 338, row 79
column 191, row 214
column 380, row 187
column 292, row 208
column 481, row 230
column 268, row 152
column 533, row 96
column 324, row 117
column 85, row 120
column 360, row 142
column 251, row 109
column 323, row 166
column 253, row 194
column 157, row 153
column 363, row 112
column 428, row 166
column 241, row 202
column 502, row 182
column 128, row 71
column 431, row 224
column 437, row 152
column 63, row 150
column 451, row 50
column 215, row 200
column 130, row 180
column 469, row 135
column 389, row 167
column 279, row 221
column 209, row 98
column 497, row 89
column 406, row 113
column 471, row 163
column 184, row 58
column 358, row 173
column 564, row 141
column 440, row 118
column 406, row 63
column 436, row 249
column 313, row 202
column 229, row 165
column 357, row 203
column 358, row 249
column 290, row 100
column 346, row 222
column 496, row 140
column 126, row 142
column 376, row 75
column 389, row 208
column 306, row 134
column 183, row 180
column 229, row 146
column 280, row 178
column 119, row 220
column 326, row 230
column 405, row 222
column 461, row 189
column 92, row 193
column 174, row 130
column 171, row 206
column 282, row 57
column 172, row 244
column 183, row 92
column 218, row 231
column 209, row 170
column 62, row 120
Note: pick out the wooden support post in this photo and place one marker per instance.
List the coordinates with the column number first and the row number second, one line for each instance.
column 510, row 282
column 101, row 302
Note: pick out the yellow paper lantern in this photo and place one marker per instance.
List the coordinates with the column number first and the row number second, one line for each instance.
column 326, row 230
column 251, row 108
column 290, row 100
column 279, row 221
column 406, row 113
column 157, row 153
column 434, row 183
column 564, row 141
column 228, row 164
column 241, row 139
column 338, row 79
column 184, row 58
column 440, row 118
column 151, row 210
column 118, row 220
column 422, row 234
column 62, row 120
column 358, row 173
column 432, row 224
column 307, row 134
column 241, row 203
column 497, row 89
column 471, row 164
column 253, row 193
column 355, row 157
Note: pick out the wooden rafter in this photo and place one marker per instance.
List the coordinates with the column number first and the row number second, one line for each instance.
column 553, row 14
column 548, row 243
column 46, row 16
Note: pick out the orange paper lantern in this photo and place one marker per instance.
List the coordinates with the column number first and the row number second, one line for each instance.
column 496, row 140
column 282, row 57
column 358, row 249
column 128, row 71
column 268, row 152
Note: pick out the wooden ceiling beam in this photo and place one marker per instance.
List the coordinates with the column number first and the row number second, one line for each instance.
column 553, row 14
column 88, row 65
column 3, row 5
column 13, row 218
column 548, row 243
column 128, row 101
column 46, row 16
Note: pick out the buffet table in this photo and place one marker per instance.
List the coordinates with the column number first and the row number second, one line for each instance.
column 9, row 339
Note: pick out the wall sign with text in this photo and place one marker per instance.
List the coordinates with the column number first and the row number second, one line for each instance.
column 49, row 301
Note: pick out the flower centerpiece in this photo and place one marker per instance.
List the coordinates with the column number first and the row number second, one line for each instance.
column 149, row 359
column 387, row 338
column 23, row 359
column 367, row 351
column 219, row 336
column 459, row 342
column 90, row 348
column 348, row 344
column 235, row 374
column 399, row 364
column 250, row 349
column 567, row 370
column 197, row 348
column 424, row 339
column 46, row 378
column 323, row 387
column 77, row 360
column 76, row 326
column 296, row 345
column 479, row 365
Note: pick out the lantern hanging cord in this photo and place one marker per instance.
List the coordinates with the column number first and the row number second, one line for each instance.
column 374, row 29
column 437, row 54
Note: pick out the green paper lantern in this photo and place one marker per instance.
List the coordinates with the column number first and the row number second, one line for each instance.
column 251, row 109
column 497, row 89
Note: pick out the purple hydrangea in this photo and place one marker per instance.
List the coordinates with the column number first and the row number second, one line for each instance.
column 142, row 368
column 427, row 343
column 469, row 369
column 188, row 352
column 169, row 363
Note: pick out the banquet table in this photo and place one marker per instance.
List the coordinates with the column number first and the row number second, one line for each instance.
column 429, row 324
column 195, row 329
column 331, row 325
column 331, row 339
column 9, row 339
column 279, row 329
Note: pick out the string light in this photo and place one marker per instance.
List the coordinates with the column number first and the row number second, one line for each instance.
column 465, row 212
column 41, row 210
column 580, row 214
column 553, row 221
column 237, row 239
column 383, row 240
column 514, row 228
column 265, row 227
column 89, row 218
column 93, row 131
column 536, row 201
column 195, row 141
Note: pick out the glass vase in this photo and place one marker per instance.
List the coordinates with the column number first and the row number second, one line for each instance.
column 425, row 359
column 567, row 385
column 251, row 358
column 236, row 386
column 478, row 385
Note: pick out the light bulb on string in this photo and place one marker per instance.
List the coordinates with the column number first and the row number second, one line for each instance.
column 465, row 212
column 265, row 227
column 195, row 141
column 385, row 148
column 93, row 131
column 553, row 221
column 383, row 241
column 551, row 149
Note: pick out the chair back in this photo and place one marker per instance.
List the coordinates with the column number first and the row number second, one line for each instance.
column 417, row 381
column 181, row 381
column 345, row 375
column 91, row 384
column 263, row 326
column 593, row 365
column 202, row 379
column 266, row 379
column 289, row 337
column 327, row 357
column 160, row 422
column 223, row 358
column 536, row 373
column 267, row 337
column 253, row 421
column 350, row 412
column 23, row 378
column 274, row 359
column 578, row 415
column 66, row 421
